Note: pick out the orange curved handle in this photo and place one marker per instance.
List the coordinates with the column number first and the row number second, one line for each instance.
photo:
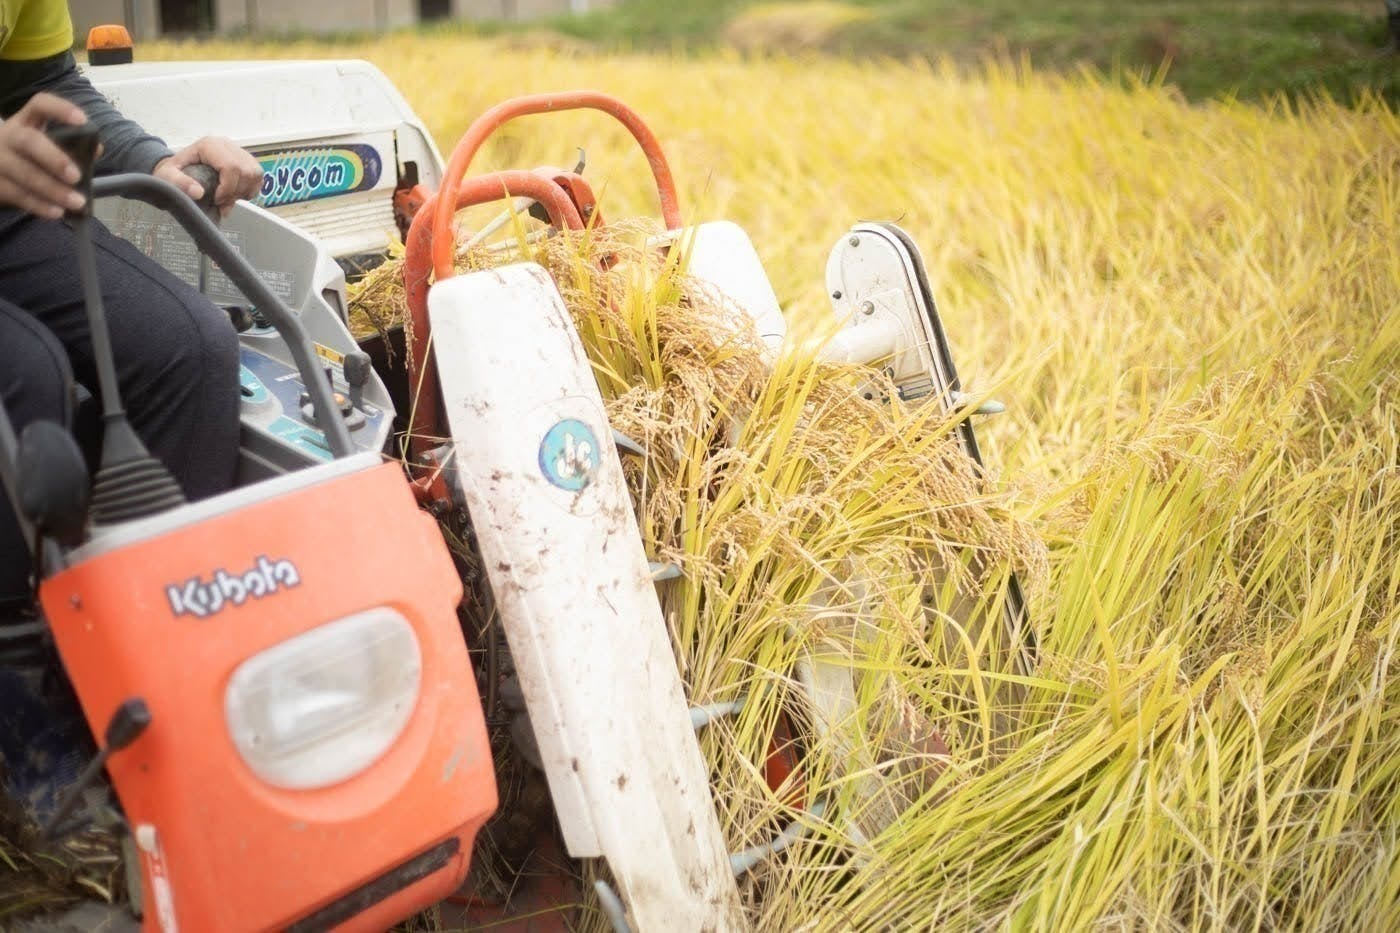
column 482, row 189
column 491, row 120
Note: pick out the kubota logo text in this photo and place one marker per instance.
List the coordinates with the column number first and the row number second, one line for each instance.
column 202, row 598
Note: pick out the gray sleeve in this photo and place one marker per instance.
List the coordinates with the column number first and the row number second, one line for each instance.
column 125, row 146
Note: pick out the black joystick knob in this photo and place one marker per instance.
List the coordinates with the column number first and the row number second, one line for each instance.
column 79, row 143
column 127, row 725
column 357, row 371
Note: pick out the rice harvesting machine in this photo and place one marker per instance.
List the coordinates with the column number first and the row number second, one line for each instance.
column 286, row 715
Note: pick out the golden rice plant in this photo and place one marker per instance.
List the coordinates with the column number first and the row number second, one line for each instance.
column 1193, row 315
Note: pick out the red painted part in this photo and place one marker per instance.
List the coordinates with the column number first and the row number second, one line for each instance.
column 407, row 203
column 430, row 488
column 491, row 120
column 237, row 852
column 425, row 429
column 783, row 763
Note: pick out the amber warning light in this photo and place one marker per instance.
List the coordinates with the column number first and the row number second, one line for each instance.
column 109, row 45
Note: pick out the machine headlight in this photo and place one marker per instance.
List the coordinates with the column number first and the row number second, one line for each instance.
column 321, row 707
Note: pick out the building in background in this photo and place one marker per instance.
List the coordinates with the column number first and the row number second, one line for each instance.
column 149, row 18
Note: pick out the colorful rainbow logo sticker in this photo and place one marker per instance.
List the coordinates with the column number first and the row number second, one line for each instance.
column 291, row 176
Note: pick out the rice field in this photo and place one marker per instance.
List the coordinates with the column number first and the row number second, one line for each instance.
column 1192, row 315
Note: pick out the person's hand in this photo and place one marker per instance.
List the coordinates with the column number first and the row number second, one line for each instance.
column 35, row 175
column 240, row 175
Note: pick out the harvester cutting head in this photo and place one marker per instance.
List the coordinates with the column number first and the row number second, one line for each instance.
column 313, row 702
column 553, row 515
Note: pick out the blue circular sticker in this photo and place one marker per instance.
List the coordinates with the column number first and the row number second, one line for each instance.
column 569, row 454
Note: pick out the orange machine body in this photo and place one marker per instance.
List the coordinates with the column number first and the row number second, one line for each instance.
column 220, row 848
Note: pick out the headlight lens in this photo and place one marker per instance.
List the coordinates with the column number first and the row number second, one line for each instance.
column 324, row 705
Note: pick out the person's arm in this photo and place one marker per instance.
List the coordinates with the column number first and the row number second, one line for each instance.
column 126, row 147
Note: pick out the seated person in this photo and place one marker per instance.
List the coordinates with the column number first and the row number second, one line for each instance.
column 176, row 353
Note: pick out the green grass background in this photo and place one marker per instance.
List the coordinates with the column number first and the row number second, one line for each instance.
column 1250, row 49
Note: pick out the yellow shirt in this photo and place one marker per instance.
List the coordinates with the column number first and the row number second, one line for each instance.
column 31, row 29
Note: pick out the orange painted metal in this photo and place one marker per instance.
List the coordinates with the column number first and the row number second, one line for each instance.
column 581, row 194
column 425, row 430
column 491, row 120
column 236, row 852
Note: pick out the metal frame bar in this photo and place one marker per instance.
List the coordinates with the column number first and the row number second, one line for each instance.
column 165, row 196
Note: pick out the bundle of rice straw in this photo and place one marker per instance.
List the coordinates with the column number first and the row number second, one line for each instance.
column 815, row 527
column 40, row 878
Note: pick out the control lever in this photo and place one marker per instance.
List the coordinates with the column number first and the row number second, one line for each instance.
column 130, row 482
column 208, row 178
column 356, row 367
column 240, row 317
column 80, row 144
column 127, row 725
column 357, row 370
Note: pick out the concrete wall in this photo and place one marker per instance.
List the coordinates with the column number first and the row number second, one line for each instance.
column 144, row 24
column 142, row 17
column 523, row 9
column 314, row 15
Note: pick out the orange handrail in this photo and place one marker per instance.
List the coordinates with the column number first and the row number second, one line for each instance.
column 491, row 120
column 482, row 189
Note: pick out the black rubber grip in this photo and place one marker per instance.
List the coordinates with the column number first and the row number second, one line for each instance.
column 79, row 143
column 208, row 179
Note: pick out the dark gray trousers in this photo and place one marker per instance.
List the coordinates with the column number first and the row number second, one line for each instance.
column 176, row 355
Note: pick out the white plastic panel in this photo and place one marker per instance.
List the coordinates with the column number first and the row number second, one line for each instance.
column 254, row 103
column 720, row 254
column 874, row 293
column 551, row 511
column 290, row 109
